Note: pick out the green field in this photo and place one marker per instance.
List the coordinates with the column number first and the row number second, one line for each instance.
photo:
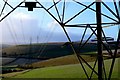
column 67, row 71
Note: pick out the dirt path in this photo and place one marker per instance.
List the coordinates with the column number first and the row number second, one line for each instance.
column 14, row 73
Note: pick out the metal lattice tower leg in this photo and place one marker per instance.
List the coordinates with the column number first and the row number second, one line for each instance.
column 99, row 38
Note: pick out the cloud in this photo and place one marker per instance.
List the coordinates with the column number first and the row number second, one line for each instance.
column 21, row 16
column 15, row 27
column 18, row 27
column 52, row 24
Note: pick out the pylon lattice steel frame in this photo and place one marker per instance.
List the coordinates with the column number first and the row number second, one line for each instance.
column 93, row 27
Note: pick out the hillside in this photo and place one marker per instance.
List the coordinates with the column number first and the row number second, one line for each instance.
column 26, row 54
column 66, row 71
column 65, row 60
column 37, row 50
column 60, row 61
column 47, row 50
column 3, row 46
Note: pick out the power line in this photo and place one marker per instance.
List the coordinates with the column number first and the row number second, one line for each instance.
column 22, row 29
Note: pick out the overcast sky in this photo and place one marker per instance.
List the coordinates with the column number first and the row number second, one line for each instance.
column 21, row 25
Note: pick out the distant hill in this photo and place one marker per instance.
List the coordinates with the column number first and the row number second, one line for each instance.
column 2, row 46
column 47, row 50
column 44, row 50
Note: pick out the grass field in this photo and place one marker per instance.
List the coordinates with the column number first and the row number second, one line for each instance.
column 67, row 71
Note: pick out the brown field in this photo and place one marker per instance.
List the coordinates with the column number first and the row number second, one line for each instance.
column 70, row 59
